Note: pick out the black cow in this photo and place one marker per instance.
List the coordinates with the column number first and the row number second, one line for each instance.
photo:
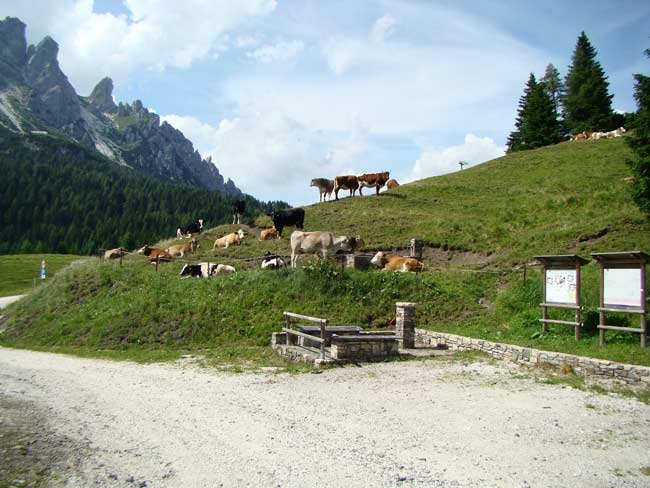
column 287, row 218
column 188, row 230
column 238, row 209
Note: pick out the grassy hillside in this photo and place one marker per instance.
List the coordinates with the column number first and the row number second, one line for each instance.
column 19, row 273
column 568, row 198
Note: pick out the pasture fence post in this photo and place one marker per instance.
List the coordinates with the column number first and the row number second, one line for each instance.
column 157, row 262
column 525, row 269
column 120, row 259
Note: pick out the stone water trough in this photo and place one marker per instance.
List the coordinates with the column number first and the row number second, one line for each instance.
column 312, row 340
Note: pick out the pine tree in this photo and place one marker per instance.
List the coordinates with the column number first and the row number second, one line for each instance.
column 553, row 86
column 640, row 142
column 536, row 124
column 587, row 102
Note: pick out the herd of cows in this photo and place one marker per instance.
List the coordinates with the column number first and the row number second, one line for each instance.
column 321, row 243
column 352, row 183
column 598, row 135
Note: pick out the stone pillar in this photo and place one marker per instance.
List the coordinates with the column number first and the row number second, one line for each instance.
column 416, row 249
column 405, row 324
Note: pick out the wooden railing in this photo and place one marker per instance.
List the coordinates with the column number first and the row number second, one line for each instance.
column 289, row 316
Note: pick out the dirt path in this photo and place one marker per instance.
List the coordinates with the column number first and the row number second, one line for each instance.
column 424, row 423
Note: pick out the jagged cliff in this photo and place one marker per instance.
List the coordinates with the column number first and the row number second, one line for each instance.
column 35, row 95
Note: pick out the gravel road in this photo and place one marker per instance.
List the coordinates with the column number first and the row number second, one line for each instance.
column 421, row 423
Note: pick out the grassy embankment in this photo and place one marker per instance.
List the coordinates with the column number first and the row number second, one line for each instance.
column 495, row 216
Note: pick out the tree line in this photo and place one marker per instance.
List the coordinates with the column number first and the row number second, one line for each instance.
column 550, row 109
column 59, row 197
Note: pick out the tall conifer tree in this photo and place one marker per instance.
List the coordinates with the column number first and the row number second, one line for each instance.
column 587, row 102
column 536, row 124
column 553, row 86
column 640, row 142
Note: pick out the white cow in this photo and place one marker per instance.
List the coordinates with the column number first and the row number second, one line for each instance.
column 320, row 242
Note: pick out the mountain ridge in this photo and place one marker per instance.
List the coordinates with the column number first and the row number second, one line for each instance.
column 35, row 95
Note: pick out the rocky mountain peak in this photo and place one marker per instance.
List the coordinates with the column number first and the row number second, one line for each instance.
column 13, row 46
column 101, row 98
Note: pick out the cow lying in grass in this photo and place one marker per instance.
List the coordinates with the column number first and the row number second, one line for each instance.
column 269, row 234
column 154, row 254
column 233, row 239
column 273, row 261
column 206, row 270
column 390, row 262
column 182, row 249
column 194, row 228
column 116, row 253
column 325, row 243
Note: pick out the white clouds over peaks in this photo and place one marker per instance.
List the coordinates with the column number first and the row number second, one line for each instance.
column 154, row 35
column 280, row 51
column 439, row 161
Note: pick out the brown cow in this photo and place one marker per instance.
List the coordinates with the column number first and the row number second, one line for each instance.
column 269, row 234
column 390, row 262
column 154, row 254
column 182, row 249
column 376, row 180
column 347, row 182
column 116, row 253
column 229, row 240
column 390, row 184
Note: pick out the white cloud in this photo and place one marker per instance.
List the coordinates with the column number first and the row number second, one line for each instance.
column 280, row 51
column 155, row 35
column 383, row 28
column 440, row 161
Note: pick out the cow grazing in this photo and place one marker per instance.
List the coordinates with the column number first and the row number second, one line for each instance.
column 287, row 218
column 238, row 209
column 390, row 262
column 188, row 230
column 116, row 253
column 200, row 270
column 273, row 261
column 269, row 234
column 615, row 133
column 373, row 180
column 232, row 239
column 154, row 254
column 183, row 249
column 325, row 188
column 325, row 243
column 347, row 182
column 392, row 183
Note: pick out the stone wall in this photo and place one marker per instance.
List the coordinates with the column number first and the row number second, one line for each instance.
column 364, row 348
column 589, row 367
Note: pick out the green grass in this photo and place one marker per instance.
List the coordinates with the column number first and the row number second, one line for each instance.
column 546, row 201
column 19, row 273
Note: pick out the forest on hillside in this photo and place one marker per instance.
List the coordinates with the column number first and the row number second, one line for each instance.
column 60, row 197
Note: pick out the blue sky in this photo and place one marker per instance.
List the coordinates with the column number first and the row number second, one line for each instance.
column 279, row 92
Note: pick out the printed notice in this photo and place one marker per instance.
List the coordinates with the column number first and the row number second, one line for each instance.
column 561, row 285
column 623, row 287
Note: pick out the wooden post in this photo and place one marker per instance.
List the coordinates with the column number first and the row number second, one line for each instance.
column 323, row 323
column 157, row 262
column 544, row 311
column 120, row 259
column 286, row 324
column 644, row 330
column 525, row 269
column 601, row 332
column 577, row 311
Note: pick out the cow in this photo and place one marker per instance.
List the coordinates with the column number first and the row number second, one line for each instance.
column 238, row 209
column 188, row 230
column 347, row 182
column 224, row 269
column 598, row 135
column 325, row 188
column 320, row 242
column 268, row 234
column 200, row 270
column 182, row 249
column 390, row 262
column 116, row 253
column 392, row 183
column 615, row 133
column 273, row 261
column 287, row 218
column 154, row 254
column 232, row 239
column 370, row 180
